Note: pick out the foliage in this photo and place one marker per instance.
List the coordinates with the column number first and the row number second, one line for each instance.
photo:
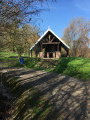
column 16, row 39
column 19, row 50
column 30, row 35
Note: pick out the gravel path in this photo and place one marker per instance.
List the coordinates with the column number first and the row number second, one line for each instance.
column 70, row 96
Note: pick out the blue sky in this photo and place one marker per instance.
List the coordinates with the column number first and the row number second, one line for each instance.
column 61, row 13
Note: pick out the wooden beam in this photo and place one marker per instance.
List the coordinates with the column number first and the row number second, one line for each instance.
column 52, row 43
column 52, row 39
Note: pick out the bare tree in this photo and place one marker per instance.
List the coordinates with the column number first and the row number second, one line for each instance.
column 19, row 10
column 77, row 36
column 14, row 14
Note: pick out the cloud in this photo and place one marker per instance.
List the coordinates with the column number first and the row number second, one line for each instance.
column 83, row 5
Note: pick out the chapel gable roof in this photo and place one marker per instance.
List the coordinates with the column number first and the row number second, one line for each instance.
column 49, row 30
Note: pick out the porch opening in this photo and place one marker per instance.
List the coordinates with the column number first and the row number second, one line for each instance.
column 50, row 54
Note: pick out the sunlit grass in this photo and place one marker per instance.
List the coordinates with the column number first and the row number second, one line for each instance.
column 72, row 66
column 76, row 67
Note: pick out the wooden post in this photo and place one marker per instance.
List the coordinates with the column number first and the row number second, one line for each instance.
column 67, row 52
column 58, row 47
column 31, row 53
column 54, row 55
column 36, row 52
column 47, row 54
column 41, row 46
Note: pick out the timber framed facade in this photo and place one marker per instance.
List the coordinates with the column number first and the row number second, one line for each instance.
column 49, row 45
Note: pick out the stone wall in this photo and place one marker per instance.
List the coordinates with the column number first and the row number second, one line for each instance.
column 58, row 54
column 41, row 54
column 55, row 55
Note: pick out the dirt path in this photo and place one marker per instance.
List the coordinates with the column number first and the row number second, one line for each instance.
column 70, row 96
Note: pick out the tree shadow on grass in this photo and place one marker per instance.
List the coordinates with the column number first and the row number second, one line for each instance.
column 47, row 96
column 47, row 63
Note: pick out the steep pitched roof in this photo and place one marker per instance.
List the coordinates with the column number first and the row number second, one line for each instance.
column 49, row 30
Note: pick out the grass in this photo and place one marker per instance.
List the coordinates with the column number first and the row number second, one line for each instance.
column 29, row 103
column 7, row 57
column 4, row 53
column 72, row 66
column 28, row 62
column 75, row 67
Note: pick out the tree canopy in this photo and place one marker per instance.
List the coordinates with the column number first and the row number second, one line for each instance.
column 14, row 14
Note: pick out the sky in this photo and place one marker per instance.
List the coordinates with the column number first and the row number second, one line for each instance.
column 61, row 13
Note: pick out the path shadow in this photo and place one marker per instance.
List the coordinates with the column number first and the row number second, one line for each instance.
column 48, row 96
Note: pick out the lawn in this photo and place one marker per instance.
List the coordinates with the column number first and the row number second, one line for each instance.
column 73, row 66
column 9, row 57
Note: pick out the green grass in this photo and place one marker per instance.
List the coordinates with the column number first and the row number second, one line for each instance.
column 4, row 53
column 9, row 57
column 75, row 67
column 72, row 66
column 28, row 63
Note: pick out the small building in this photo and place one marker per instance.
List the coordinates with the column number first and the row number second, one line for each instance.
column 49, row 45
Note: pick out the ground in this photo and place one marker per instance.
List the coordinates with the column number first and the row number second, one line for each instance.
column 66, row 98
